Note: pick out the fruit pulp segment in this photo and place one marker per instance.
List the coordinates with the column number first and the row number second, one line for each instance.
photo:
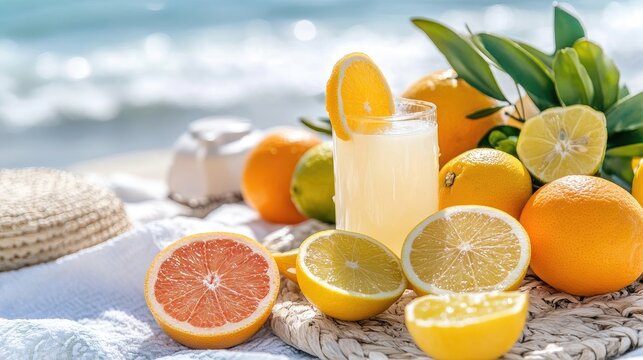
column 353, row 264
column 385, row 184
column 564, row 143
column 212, row 283
column 465, row 252
column 464, row 307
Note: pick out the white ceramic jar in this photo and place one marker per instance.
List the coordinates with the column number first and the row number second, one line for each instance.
column 209, row 159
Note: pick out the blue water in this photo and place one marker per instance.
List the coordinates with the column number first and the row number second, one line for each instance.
column 84, row 79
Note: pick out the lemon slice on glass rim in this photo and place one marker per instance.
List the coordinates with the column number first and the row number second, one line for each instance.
column 357, row 90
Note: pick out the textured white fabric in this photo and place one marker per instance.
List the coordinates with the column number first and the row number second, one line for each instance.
column 90, row 305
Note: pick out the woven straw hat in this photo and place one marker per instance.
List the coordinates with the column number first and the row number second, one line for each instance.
column 46, row 213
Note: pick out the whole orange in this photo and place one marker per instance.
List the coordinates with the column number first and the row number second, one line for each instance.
column 455, row 99
column 586, row 235
column 485, row 177
column 268, row 170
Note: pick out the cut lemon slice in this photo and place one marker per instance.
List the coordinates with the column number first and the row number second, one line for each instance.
column 467, row 326
column 349, row 276
column 357, row 89
column 286, row 262
column 212, row 290
column 466, row 248
column 563, row 141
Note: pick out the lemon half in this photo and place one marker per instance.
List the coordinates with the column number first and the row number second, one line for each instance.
column 563, row 141
column 467, row 326
column 349, row 276
column 467, row 248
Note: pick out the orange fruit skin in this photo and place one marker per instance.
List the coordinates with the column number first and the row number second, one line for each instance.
column 455, row 99
column 586, row 235
column 486, row 177
column 265, row 182
column 222, row 340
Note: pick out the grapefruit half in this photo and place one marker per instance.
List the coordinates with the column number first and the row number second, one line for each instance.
column 212, row 290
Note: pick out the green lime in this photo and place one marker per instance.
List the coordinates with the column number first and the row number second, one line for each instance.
column 563, row 141
column 313, row 184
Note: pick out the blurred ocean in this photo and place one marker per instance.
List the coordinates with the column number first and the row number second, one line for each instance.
column 84, row 79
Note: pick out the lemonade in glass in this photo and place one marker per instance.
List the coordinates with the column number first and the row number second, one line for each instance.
column 386, row 174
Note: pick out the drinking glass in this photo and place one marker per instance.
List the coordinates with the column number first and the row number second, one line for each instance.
column 386, row 174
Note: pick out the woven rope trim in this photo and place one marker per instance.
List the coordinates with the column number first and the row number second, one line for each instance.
column 560, row 326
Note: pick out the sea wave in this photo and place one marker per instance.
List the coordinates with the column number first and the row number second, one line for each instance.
column 236, row 64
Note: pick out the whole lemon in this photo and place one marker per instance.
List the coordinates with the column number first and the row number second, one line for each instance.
column 485, row 177
column 313, row 184
column 637, row 183
column 586, row 235
column 265, row 183
column 455, row 99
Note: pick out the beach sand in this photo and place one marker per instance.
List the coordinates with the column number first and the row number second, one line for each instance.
column 150, row 165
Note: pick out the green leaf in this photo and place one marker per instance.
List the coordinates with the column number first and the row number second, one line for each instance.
column 482, row 113
column 524, row 68
column 627, row 143
column 319, row 125
column 502, row 137
column 573, row 84
column 626, row 115
column 546, row 59
column 618, row 170
column 601, row 69
column 627, row 151
column 567, row 28
column 461, row 55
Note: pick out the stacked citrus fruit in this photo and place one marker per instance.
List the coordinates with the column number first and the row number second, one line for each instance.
column 579, row 233
column 268, row 173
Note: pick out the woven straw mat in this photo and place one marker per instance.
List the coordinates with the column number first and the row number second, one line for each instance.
column 560, row 326
column 46, row 213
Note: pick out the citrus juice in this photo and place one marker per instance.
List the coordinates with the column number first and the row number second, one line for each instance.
column 387, row 182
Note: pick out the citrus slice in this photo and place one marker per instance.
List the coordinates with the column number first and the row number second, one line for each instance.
column 286, row 262
column 348, row 276
column 212, row 290
column 467, row 326
column 467, row 248
column 563, row 141
column 357, row 89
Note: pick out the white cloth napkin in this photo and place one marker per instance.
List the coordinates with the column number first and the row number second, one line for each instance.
column 90, row 305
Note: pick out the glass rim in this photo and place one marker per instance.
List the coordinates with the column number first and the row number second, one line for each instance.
column 427, row 111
